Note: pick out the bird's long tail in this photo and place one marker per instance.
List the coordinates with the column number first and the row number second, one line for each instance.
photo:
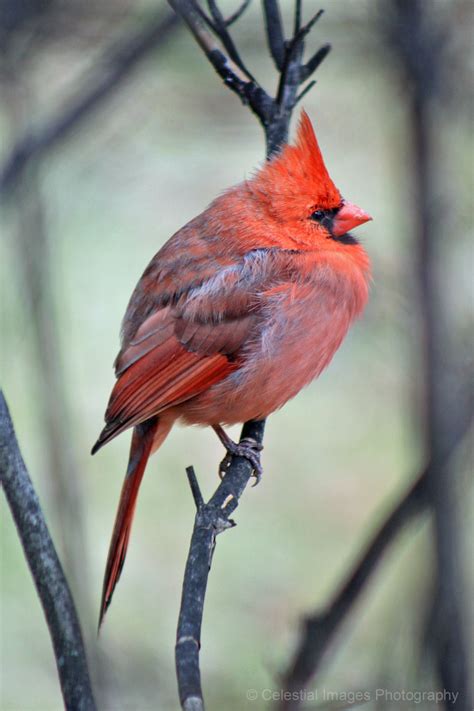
column 146, row 438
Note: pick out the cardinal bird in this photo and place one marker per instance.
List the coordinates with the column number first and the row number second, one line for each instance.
column 240, row 309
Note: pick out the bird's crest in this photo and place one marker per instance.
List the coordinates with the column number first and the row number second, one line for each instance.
column 296, row 179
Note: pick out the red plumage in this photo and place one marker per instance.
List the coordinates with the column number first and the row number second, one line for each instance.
column 240, row 309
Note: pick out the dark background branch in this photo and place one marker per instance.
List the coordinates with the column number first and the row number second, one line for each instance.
column 53, row 590
column 420, row 50
column 320, row 628
column 115, row 66
column 32, row 248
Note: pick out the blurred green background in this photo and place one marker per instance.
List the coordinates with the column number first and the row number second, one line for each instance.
column 335, row 458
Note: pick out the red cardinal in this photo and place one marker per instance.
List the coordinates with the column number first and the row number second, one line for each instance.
column 239, row 310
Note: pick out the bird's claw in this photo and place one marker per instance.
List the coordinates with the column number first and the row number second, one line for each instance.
column 249, row 449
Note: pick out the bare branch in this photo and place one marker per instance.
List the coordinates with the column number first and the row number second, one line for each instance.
column 320, row 628
column 296, row 45
column 190, row 13
column 274, row 28
column 56, row 599
column 115, row 66
column 313, row 63
column 211, row 519
column 294, row 72
column 306, row 29
column 303, row 93
column 273, row 113
column 227, row 41
column 419, row 46
column 238, row 13
column 233, row 75
column 297, row 22
column 195, row 488
column 202, row 14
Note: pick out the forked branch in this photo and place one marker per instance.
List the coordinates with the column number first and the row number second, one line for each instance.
column 212, row 34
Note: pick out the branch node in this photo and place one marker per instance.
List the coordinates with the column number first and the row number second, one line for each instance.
column 221, row 522
column 188, row 638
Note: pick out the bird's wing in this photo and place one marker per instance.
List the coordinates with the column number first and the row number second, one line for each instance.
column 190, row 337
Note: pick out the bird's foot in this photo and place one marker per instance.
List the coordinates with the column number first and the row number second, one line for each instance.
column 248, row 448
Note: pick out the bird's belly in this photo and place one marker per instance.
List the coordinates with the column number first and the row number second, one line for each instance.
column 296, row 342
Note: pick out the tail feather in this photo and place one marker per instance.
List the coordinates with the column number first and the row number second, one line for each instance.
column 142, row 444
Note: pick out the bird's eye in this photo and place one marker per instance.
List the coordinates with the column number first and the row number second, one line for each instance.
column 317, row 215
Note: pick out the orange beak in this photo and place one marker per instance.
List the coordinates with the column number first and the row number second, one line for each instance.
column 348, row 217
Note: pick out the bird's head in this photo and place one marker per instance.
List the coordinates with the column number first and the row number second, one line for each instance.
column 296, row 194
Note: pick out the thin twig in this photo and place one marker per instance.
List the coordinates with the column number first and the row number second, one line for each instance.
column 115, row 66
column 306, row 29
column 304, row 91
column 192, row 14
column 313, row 63
column 274, row 28
column 227, row 41
column 296, row 49
column 195, row 488
column 238, row 13
column 297, row 21
column 55, row 596
column 235, row 78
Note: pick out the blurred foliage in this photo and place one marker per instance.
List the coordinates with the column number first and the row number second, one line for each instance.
column 334, row 458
